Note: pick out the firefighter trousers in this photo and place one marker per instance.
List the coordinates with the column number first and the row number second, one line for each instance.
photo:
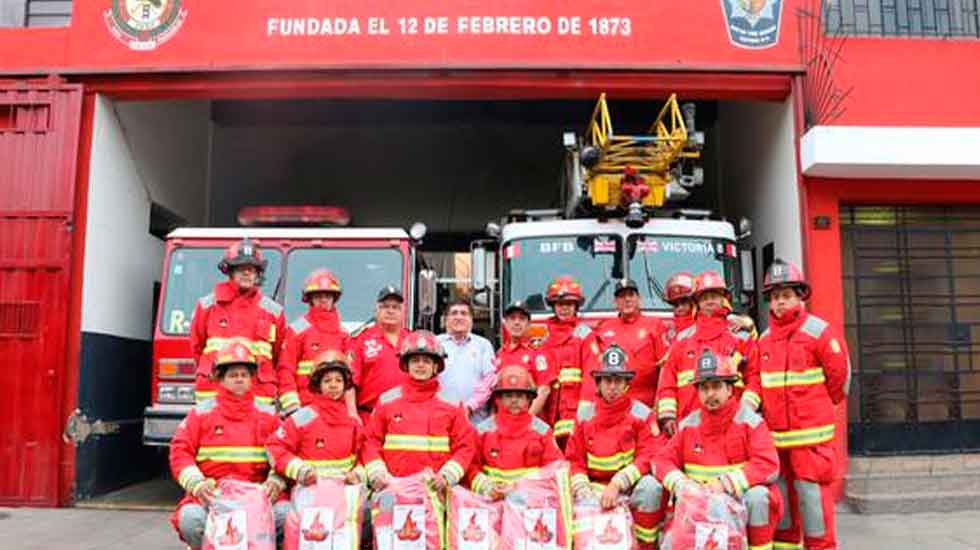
column 805, row 478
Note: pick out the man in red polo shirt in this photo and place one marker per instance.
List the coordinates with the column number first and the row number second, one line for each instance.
column 374, row 353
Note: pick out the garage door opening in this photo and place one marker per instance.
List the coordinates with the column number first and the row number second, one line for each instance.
column 454, row 165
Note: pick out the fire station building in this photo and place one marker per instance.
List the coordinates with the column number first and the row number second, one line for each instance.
column 847, row 131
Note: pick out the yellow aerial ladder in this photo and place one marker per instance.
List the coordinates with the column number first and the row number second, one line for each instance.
column 607, row 159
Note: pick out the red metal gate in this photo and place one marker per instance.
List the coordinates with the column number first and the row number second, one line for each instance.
column 39, row 131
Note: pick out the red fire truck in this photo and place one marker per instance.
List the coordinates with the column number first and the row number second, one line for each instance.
column 364, row 259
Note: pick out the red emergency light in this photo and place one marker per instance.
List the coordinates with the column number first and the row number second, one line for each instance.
column 293, row 215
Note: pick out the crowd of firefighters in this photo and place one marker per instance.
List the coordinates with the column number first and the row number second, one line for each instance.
column 640, row 408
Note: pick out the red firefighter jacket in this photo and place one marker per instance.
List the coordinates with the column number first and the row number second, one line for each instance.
column 510, row 446
column 731, row 441
column 307, row 337
column 321, row 434
column 677, row 396
column 541, row 363
column 613, row 441
column 415, row 427
column 222, row 438
column 375, row 365
column 644, row 339
column 805, row 371
column 225, row 314
column 680, row 324
column 566, row 340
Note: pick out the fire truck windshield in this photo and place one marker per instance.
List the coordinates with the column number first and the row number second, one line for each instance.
column 361, row 272
column 654, row 258
column 530, row 264
column 192, row 273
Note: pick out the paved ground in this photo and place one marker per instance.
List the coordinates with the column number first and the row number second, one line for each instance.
column 77, row 529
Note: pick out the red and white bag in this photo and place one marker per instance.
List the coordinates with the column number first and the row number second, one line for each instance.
column 324, row 516
column 537, row 515
column 707, row 520
column 473, row 521
column 408, row 515
column 239, row 518
column 598, row 529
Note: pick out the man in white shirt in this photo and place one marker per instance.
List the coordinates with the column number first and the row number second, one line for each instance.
column 470, row 373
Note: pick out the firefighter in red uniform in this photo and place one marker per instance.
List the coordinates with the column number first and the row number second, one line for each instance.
column 540, row 363
column 677, row 396
column 722, row 446
column 512, row 442
column 374, row 352
column 221, row 438
column 307, row 337
column 805, row 374
column 679, row 293
column 237, row 309
column 644, row 339
column 415, row 427
column 567, row 333
column 322, row 438
column 611, row 449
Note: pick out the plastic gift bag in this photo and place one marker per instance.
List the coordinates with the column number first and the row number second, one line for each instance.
column 239, row 518
column 707, row 520
column 537, row 515
column 324, row 516
column 598, row 529
column 408, row 515
column 473, row 521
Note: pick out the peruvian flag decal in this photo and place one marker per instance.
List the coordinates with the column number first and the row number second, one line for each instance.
column 512, row 250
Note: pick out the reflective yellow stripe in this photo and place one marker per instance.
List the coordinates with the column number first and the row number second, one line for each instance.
column 809, row 436
column 201, row 396
column 333, row 467
column 289, row 399
column 777, row 545
column 645, row 535
column 452, row 471
column 685, row 378
column 263, row 400
column 612, row 463
column 767, row 546
column 752, row 398
column 292, row 468
column 667, row 406
column 232, row 454
column 791, row 378
column 671, row 479
column 700, row 472
column 564, row 427
column 304, row 368
column 422, row 443
column 498, row 475
column 263, row 349
column 569, row 376
column 189, row 477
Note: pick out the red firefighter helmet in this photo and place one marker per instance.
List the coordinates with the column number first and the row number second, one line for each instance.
column 515, row 378
column 714, row 367
column 422, row 342
column 321, row 280
column 564, row 288
column 244, row 252
column 710, row 280
column 235, row 352
column 785, row 274
column 330, row 360
column 680, row 286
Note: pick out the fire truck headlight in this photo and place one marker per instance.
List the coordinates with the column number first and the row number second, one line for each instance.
column 185, row 394
column 167, row 393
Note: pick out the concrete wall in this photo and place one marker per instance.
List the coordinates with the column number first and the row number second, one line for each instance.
column 140, row 154
column 760, row 174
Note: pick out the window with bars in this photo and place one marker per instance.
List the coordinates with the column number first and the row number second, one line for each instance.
column 35, row 13
column 916, row 18
column 912, row 303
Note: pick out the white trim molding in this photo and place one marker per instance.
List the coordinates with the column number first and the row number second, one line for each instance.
column 882, row 152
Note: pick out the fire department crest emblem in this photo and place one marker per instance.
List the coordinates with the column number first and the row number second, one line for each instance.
column 142, row 25
column 753, row 24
